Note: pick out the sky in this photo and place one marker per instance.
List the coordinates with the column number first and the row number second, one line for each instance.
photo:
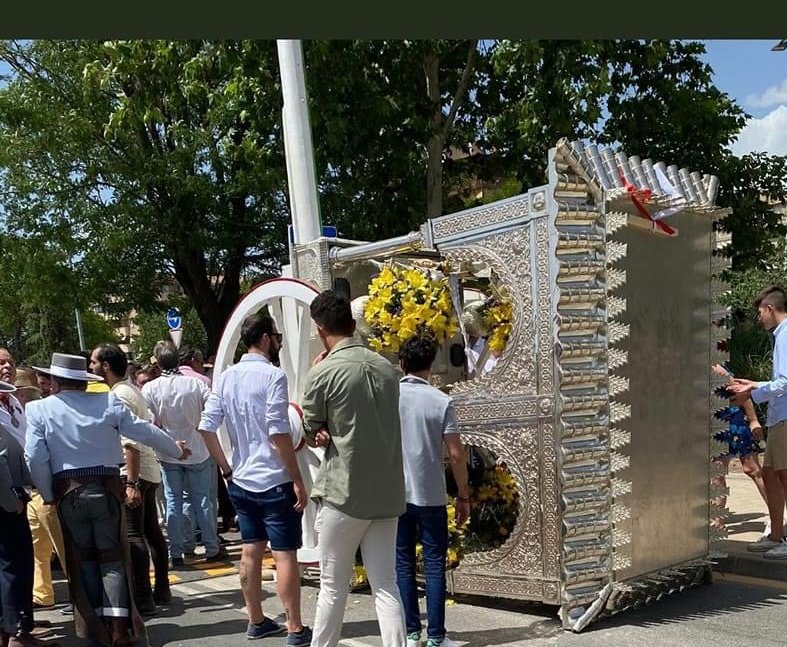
column 756, row 78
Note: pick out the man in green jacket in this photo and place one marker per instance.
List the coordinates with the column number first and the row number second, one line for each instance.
column 351, row 407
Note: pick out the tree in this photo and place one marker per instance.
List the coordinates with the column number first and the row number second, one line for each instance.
column 159, row 159
column 153, row 328
column 39, row 293
column 385, row 116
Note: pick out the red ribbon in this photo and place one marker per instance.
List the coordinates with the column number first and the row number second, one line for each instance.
column 639, row 197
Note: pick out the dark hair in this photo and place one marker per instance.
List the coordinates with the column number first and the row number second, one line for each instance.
column 772, row 296
column 112, row 355
column 166, row 355
column 332, row 312
column 417, row 354
column 186, row 355
column 254, row 327
column 74, row 385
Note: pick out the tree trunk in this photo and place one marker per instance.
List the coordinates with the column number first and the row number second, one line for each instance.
column 434, row 148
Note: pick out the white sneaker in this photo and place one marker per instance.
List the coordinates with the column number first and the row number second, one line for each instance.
column 763, row 545
column 780, row 552
column 446, row 642
column 413, row 640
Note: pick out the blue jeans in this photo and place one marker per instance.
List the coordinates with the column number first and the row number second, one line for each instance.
column 195, row 479
column 430, row 524
column 189, row 527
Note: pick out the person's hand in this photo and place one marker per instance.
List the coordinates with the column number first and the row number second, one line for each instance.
column 739, row 385
column 322, row 438
column 133, row 496
column 462, row 508
column 300, row 492
column 320, row 357
column 20, row 507
column 185, row 451
column 756, row 431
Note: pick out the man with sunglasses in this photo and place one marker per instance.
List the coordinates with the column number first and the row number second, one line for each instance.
column 264, row 481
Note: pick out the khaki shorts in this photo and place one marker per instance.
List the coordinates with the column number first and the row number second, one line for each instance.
column 776, row 447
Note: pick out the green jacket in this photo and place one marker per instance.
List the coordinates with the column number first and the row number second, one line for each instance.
column 354, row 392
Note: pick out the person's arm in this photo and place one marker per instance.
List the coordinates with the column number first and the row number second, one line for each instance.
column 751, row 416
column 37, row 455
column 456, row 456
column 133, row 495
column 8, row 499
column 278, row 424
column 315, row 410
column 137, row 429
column 210, row 421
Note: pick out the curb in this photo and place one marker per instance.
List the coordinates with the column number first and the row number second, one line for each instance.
column 752, row 565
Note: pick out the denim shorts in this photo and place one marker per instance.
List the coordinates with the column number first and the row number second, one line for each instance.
column 268, row 516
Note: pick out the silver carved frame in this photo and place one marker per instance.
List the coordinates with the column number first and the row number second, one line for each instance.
column 555, row 407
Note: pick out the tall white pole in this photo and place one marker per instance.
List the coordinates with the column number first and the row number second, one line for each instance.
column 298, row 143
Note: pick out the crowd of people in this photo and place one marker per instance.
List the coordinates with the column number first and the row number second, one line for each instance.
column 86, row 442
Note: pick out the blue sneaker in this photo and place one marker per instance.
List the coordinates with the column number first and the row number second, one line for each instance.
column 267, row 627
column 302, row 638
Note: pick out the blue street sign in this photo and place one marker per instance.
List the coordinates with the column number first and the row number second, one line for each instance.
column 328, row 231
column 174, row 320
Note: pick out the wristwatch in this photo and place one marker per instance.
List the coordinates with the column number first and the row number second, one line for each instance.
column 134, row 484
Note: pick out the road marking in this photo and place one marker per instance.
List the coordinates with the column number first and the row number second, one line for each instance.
column 352, row 642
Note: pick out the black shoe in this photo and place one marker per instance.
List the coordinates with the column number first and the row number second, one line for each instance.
column 147, row 607
column 162, row 598
column 40, row 607
column 177, row 562
column 219, row 556
column 189, row 553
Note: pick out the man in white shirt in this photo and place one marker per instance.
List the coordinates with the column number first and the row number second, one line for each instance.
column 142, row 476
column 264, row 481
column 177, row 402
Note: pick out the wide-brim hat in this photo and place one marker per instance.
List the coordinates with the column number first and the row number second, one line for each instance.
column 5, row 387
column 69, row 367
column 26, row 381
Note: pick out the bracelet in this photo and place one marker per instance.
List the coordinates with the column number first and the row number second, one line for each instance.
column 463, row 498
column 134, row 484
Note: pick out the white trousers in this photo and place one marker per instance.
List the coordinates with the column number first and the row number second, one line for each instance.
column 340, row 536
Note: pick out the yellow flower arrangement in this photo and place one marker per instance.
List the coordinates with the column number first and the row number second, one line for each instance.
column 404, row 302
column 498, row 319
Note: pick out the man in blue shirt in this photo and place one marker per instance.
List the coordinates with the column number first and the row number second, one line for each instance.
column 772, row 312
column 74, row 453
column 428, row 423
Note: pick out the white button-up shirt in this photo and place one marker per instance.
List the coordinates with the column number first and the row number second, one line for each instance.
column 177, row 402
column 251, row 398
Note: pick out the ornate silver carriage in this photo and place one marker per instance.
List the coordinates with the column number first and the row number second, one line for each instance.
column 601, row 403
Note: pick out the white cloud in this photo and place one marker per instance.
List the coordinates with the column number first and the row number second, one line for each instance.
column 767, row 134
column 773, row 96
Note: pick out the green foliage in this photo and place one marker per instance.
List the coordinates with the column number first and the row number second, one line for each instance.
column 131, row 165
column 148, row 161
column 153, row 328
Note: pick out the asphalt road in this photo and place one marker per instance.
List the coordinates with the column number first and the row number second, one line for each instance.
column 208, row 613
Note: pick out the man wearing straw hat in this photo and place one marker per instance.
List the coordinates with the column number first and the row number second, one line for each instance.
column 74, row 452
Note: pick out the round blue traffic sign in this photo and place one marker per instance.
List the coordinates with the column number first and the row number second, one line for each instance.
column 174, row 320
